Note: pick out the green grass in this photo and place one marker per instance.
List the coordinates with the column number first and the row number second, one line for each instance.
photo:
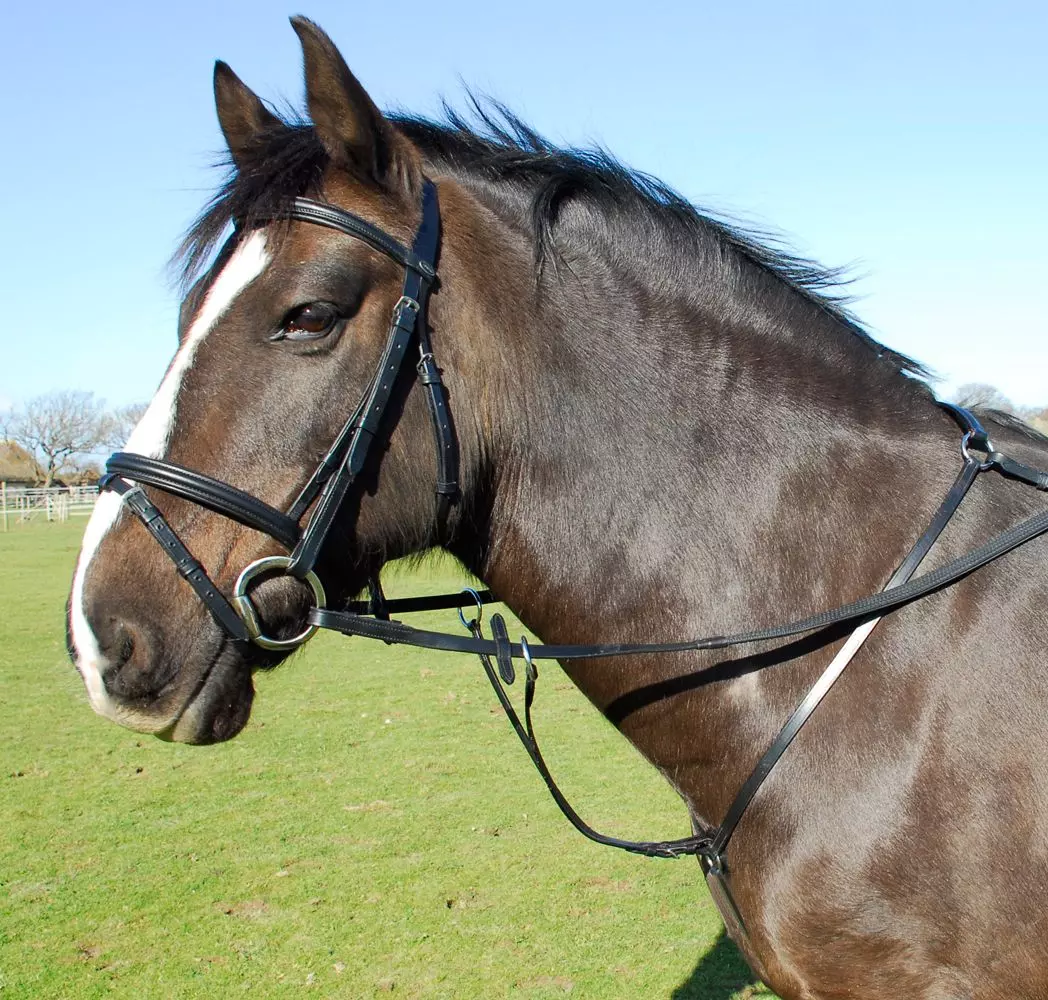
column 375, row 831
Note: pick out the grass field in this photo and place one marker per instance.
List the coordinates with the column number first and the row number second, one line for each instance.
column 375, row 831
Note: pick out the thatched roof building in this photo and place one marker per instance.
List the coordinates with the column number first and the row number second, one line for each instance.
column 17, row 466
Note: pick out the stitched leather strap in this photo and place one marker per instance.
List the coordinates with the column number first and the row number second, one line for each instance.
column 330, row 463
column 447, row 443
column 401, row 332
column 202, row 490
column 188, row 567
column 427, row 242
column 526, row 734
column 308, row 210
column 711, row 845
column 436, row 602
column 407, row 323
column 857, row 611
column 1017, row 470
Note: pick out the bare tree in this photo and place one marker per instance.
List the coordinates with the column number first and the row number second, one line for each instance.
column 990, row 397
column 120, row 422
column 981, row 394
column 57, row 428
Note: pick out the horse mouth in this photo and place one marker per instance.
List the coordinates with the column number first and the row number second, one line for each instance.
column 219, row 708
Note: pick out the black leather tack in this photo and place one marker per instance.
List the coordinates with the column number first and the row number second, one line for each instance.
column 503, row 653
column 188, row 567
column 1018, row 470
column 205, row 491
column 346, row 457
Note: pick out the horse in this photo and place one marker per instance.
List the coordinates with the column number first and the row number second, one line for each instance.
column 649, row 423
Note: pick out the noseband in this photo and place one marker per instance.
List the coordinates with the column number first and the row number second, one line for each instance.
column 126, row 472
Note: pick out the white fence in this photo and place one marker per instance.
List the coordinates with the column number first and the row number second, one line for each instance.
column 56, row 504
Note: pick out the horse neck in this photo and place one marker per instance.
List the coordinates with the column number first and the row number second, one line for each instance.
column 654, row 469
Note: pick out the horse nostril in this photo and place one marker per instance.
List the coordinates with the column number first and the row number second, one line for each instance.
column 128, row 675
column 125, row 648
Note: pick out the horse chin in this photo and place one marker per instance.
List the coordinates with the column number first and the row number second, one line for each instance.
column 221, row 706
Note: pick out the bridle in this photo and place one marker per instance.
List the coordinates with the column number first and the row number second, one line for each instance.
column 340, row 467
column 329, row 484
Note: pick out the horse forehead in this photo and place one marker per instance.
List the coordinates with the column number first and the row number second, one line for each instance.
column 246, row 263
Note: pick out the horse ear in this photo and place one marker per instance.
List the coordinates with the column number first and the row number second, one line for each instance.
column 242, row 117
column 354, row 132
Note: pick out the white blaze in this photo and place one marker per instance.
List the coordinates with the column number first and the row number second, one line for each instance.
column 150, row 437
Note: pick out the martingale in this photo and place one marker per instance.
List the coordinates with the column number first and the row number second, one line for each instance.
column 335, row 475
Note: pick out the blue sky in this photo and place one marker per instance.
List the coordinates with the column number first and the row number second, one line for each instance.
column 908, row 139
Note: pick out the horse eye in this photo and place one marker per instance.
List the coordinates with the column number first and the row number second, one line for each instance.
column 309, row 322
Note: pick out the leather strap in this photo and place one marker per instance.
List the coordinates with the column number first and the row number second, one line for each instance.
column 711, row 846
column 447, row 443
column 401, row 331
column 436, row 602
column 188, row 567
column 407, row 323
column 426, row 246
column 526, row 734
column 308, row 210
column 204, row 491
column 974, row 432
column 329, row 464
column 713, row 857
column 857, row 611
column 1017, row 470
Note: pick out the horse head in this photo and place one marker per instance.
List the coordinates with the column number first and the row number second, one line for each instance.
column 278, row 340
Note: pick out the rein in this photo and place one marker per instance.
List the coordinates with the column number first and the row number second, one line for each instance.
column 336, row 473
column 901, row 589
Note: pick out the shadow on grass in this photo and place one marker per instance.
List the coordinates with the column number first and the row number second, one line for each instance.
column 720, row 975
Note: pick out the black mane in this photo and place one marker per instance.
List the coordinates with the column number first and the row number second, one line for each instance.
column 289, row 163
column 502, row 150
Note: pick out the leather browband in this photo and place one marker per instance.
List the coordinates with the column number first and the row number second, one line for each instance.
column 307, row 210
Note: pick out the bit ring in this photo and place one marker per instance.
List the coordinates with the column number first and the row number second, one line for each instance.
column 249, row 616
